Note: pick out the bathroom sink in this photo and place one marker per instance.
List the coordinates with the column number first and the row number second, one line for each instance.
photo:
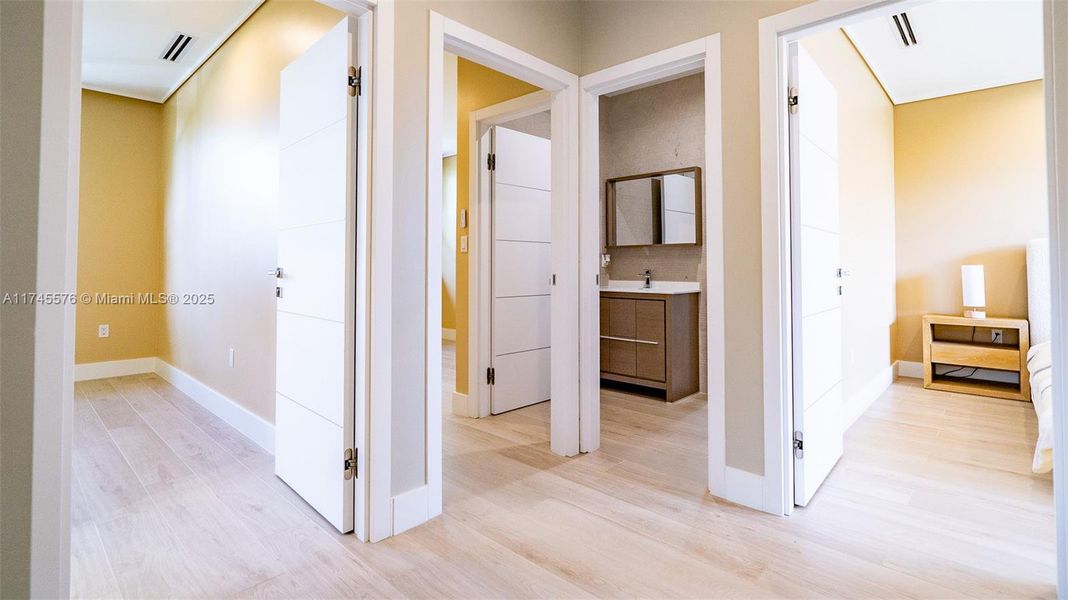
column 656, row 287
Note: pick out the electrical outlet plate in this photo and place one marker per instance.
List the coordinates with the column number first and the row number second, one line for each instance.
column 103, row 330
column 463, row 244
column 997, row 336
column 230, row 358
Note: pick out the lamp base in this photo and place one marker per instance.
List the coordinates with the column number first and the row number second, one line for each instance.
column 973, row 313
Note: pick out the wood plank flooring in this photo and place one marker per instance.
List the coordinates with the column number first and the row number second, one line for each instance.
column 933, row 499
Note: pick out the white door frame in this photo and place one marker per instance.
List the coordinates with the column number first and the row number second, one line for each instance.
column 476, row 403
column 775, row 32
column 447, row 35
column 692, row 57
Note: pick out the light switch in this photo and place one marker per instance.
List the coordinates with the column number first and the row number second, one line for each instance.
column 463, row 244
column 230, row 359
column 463, row 218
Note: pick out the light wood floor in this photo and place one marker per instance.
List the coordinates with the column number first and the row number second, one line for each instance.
column 932, row 499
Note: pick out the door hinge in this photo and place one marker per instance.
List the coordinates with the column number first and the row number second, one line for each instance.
column 354, row 82
column 491, row 376
column 491, row 162
column 799, row 445
column 350, row 463
column 792, row 100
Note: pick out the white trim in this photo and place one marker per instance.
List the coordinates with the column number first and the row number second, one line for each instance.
column 479, row 287
column 448, row 334
column 745, row 488
column 114, row 368
column 1056, row 86
column 249, row 424
column 410, row 509
column 859, row 403
column 447, row 35
column 909, row 369
column 692, row 57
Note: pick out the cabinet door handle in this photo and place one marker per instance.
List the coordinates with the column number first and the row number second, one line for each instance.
column 623, row 339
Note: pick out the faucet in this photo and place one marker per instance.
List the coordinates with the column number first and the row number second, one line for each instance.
column 648, row 275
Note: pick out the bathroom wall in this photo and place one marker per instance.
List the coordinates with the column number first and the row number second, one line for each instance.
column 971, row 189
column 866, row 215
column 657, row 128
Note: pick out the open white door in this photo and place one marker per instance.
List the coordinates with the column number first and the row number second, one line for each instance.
column 817, row 290
column 317, row 273
column 522, row 270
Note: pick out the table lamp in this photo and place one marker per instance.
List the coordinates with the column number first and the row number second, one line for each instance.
column 974, row 286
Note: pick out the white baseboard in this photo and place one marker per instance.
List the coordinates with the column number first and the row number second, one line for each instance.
column 448, row 334
column 410, row 509
column 744, row 488
column 114, row 368
column 460, row 406
column 861, row 401
column 253, row 426
column 908, row 368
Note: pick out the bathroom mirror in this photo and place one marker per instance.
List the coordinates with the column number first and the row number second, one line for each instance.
column 654, row 209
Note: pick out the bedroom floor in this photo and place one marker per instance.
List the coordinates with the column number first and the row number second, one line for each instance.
column 932, row 499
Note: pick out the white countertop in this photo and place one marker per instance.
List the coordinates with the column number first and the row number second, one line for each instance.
column 657, row 287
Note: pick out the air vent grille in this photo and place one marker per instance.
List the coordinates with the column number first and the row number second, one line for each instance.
column 176, row 48
column 904, row 29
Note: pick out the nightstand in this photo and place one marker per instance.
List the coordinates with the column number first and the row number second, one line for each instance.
column 967, row 343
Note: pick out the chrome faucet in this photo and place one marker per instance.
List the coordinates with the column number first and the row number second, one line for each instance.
column 648, row 275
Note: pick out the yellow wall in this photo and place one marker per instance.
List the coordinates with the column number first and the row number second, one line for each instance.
column 220, row 203
column 866, row 196
column 477, row 87
column 119, row 250
column 971, row 189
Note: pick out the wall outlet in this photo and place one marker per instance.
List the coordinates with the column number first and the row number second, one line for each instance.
column 103, row 330
column 996, row 336
column 230, row 358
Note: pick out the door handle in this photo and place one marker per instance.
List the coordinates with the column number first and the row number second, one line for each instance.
column 276, row 272
column 623, row 339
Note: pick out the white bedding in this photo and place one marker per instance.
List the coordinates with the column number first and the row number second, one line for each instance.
column 1038, row 365
column 1038, row 357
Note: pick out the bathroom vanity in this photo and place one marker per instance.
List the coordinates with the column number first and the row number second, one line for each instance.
column 649, row 336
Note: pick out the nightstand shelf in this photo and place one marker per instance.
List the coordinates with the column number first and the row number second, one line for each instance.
column 954, row 341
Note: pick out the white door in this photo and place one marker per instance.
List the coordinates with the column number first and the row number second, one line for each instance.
column 817, row 305
column 315, row 399
column 521, row 263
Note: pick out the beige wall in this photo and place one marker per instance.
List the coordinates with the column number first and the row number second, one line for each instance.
column 866, row 194
column 448, row 242
column 477, row 87
column 971, row 189
column 119, row 220
column 613, row 32
column 656, row 128
column 220, row 149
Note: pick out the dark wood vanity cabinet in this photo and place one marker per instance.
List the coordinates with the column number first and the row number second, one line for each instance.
column 651, row 340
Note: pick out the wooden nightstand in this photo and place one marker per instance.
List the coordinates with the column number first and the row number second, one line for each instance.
column 965, row 342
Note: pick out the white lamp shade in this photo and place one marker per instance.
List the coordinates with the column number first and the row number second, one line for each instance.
column 974, row 285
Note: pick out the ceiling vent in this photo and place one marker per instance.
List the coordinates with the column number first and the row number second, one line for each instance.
column 904, row 28
column 176, row 48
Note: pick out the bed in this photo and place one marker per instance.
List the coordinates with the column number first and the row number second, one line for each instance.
column 1039, row 357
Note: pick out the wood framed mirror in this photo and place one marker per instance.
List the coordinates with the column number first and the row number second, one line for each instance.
column 654, row 209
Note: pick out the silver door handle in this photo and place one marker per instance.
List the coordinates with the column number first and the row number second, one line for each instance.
column 622, row 339
column 276, row 272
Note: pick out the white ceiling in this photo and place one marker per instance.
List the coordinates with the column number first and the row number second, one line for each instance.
column 962, row 46
column 122, row 41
